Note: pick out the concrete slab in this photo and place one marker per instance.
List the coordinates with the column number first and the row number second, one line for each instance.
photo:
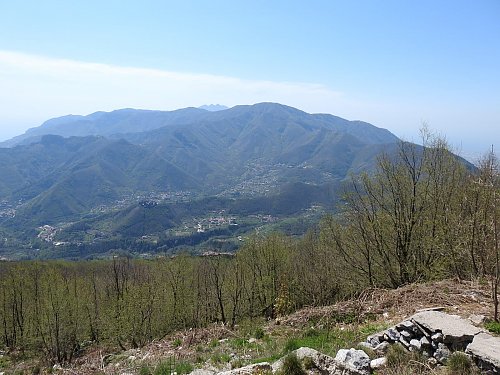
column 455, row 329
column 485, row 349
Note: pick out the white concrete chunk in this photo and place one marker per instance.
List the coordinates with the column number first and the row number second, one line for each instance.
column 455, row 330
column 485, row 349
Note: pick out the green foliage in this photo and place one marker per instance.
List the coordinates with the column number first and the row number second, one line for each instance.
column 291, row 345
column 459, row 364
column 493, row 327
column 220, row 358
column 145, row 370
column 308, row 363
column 402, row 362
column 165, row 367
column 183, row 368
column 259, row 333
column 292, row 366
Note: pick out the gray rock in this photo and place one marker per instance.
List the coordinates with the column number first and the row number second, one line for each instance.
column 367, row 345
column 407, row 335
column 456, row 331
column 407, row 325
column 477, row 319
column 200, row 371
column 382, row 348
column 392, row 335
column 250, row 369
column 437, row 337
column 378, row 363
column 324, row 363
column 405, row 343
column 354, row 359
column 425, row 343
column 415, row 345
column 485, row 349
column 376, row 338
column 442, row 353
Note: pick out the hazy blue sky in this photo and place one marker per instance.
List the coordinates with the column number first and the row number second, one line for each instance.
column 395, row 64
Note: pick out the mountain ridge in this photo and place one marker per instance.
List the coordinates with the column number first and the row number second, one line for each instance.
column 145, row 167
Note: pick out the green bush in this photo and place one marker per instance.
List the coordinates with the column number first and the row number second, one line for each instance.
column 292, row 366
column 145, row 370
column 402, row 362
column 183, row 368
column 459, row 364
column 164, row 368
column 493, row 327
column 259, row 333
column 290, row 346
column 397, row 356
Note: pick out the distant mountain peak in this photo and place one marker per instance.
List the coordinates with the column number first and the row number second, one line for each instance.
column 213, row 107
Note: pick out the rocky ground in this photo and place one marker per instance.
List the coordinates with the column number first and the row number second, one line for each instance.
column 325, row 329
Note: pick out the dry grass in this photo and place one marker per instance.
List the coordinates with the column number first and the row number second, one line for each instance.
column 393, row 305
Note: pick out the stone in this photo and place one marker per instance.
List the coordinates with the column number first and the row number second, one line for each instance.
column 405, row 343
column 477, row 319
column 201, row 371
column 354, row 359
column 442, row 353
column 250, row 369
column 425, row 343
column 375, row 339
column 415, row 345
column 367, row 345
column 382, row 348
column 392, row 335
column 323, row 363
column 378, row 363
column 455, row 330
column 252, row 340
column 485, row 349
column 407, row 335
column 407, row 325
column 437, row 337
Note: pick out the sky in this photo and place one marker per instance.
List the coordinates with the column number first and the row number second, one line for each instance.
column 395, row 63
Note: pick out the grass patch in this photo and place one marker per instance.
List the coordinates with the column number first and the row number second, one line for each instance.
column 459, row 363
column 292, row 366
column 219, row 358
column 402, row 362
column 493, row 327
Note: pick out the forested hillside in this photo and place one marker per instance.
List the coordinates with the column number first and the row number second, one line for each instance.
column 421, row 216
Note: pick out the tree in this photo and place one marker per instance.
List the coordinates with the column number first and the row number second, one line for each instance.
column 394, row 222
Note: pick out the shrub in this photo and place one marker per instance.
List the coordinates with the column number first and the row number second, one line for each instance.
column 145, row 370
column 402, row 362
column 493, row 327
column 459, row 364
column 259, row 333
column 308, row 363
column 292, row 366
column 177, row 342
column 164, row 368
column 290, row 346
column 183, row 368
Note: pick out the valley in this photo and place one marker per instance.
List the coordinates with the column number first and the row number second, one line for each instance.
column 149, row 181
